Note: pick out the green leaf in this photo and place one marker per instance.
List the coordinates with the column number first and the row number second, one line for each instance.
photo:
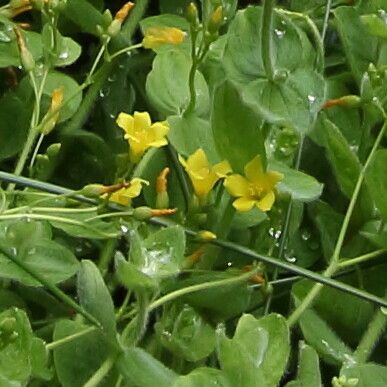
column 185, row 333
column 39, row 359
column 161, row 255
column 203, row 376
column 243, row 57
column 345, row 164
column 95, row 297
column 139, row 368
column 294, row 101
column 130, row 276
column 9, row 52
column 375, row 24
column 85, row 158
column 15, row 116
column 257, row 354
column 299, row 185
column 361, row 49
column 83, row 14
column 167, row 84
column 173, row 6
column 376, row 177
column 218, row 304
column 368, row 374
column 71, row 90
column 31, row 241
column 77, row 360
column 15, row 362
column 188, row 133
column 236, row 131
column 244, row 220
column 320, row 336
column 328, row 222
column 308, row 374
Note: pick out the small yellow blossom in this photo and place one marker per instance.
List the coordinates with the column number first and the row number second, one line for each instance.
column 141, row 133
column 52, row 116
column 256, row 189
column 202, row 175
column 125, row 195
column 155, row 37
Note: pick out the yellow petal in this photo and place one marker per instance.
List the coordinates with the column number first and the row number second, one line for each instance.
column 266, row 202
column 198, row 161
column 126, row 122
column 222, row 169
column 158, row 143
column 183, row 162
column 237, row 185
column 158, row 131
column 119, row 198
column 142, row 121
column 244, row 204
column 274, row 177
column 254, row 171
column 155, row 37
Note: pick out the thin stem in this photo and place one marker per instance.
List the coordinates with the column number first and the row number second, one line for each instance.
column 125, row 50
column 195, row 288
column 50, row 286
column 102, row 371
column 266, row 38
column 192, row 72
column 36, row 150
column 361, row 259
column 57, row 343
column 371, row 336
column 334, row 263
column 60, row 219
column 47, row 187
column 326, row 19
column 96, row 60
column 285, row 229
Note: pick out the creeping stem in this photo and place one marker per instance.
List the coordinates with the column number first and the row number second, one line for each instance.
column 266, row 38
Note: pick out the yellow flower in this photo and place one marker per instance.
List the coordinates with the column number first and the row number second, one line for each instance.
column 256, row 189
column 155, row 37
column 141, row 133
column 202, row 175
column 125, row 195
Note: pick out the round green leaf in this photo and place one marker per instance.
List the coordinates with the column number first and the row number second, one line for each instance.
column 167, row 84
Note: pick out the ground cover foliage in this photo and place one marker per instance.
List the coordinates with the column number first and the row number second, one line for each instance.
column 193, row 193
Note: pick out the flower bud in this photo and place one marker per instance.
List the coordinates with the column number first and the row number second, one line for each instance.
column 26, row 57
column 350, row 101
column 51, row 118
column 162, row 198
column 107, row 18
column 206, row 236
column 114, row 28
column 18, row 3
column 53, row 150
column 216, row 20
column 142, row 213
column 37, row 4
column 192, row 15
column 123, row 12
column 93, row 190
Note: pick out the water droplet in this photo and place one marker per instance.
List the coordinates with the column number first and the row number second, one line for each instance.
column 229, row 264
column 64, row 55
column 276, row 234
column 112, row 78
column 124, row 229
column 279, row 33
column 305, row 235
column 289, row 256
column 312, row 98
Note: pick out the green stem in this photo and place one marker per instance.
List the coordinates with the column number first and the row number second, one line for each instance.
column 361, row 259
column 285, row 229
column 195, row 288
column 96, row 60
column 326, row 19
column 47, row 187
column 334, row 263
column 266, row 38
column 102, row 74
column 371, row 336
column 192, row 72
column 102, row 371
column 50, row 286
column 106, row 255
column 57, row 343
column 125, row 50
